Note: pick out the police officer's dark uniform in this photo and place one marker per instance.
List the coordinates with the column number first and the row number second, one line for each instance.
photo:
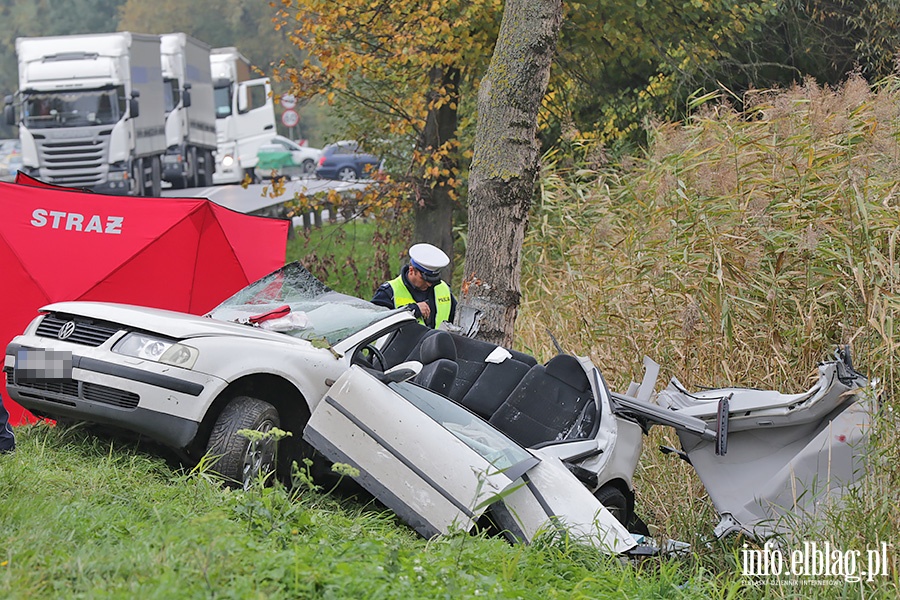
column 428, row 260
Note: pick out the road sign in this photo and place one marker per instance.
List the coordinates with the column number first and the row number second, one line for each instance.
column 290, row 118
column 288, row 101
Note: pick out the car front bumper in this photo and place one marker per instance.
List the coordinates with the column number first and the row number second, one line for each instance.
column 162, row 402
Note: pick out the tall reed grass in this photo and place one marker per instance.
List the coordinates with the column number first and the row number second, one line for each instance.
column 741, row 248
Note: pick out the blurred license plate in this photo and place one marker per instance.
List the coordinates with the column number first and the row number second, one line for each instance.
column 42, row 365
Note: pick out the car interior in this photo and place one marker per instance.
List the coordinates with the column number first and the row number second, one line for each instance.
column 534, row 404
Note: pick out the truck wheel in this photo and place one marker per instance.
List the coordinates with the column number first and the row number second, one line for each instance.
column 193, row 177
column 615, row 502
column 155, row 177
column 240, row 460
column 137, row 176
column 204, row 168
column 209, row 167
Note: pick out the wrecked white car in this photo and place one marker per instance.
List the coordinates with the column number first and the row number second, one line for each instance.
column 289, row 352
column 445, row 430
column 768, row 460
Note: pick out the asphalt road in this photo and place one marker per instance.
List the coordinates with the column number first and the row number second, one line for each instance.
column 253, row 198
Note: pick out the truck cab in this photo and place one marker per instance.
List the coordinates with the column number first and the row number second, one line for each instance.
column 190, row 112
column 90, row 111
column 245, row 115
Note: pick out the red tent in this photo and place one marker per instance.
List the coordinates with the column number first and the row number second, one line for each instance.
column 183, row 254
column 23, row 179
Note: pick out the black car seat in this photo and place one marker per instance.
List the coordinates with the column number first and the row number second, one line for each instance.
column 403, row 344
column 438, row 356
column 546, row 402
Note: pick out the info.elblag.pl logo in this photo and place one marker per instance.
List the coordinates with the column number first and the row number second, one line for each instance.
column 816, row 560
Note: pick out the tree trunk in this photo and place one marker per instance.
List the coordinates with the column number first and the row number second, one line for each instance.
column 434, row 206
column 506, row 162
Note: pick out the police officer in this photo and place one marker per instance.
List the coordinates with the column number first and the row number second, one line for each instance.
column 419, row 286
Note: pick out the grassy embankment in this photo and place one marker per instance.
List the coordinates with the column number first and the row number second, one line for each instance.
column 741, row 249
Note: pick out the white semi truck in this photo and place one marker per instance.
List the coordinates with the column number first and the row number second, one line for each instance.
column 91, row 111
column 245, row 115
column 190, row 111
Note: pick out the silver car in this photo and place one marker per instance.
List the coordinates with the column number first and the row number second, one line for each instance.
column 445, row 430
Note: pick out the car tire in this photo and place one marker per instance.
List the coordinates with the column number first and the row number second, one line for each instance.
column 308, row 167
column 615, row 502
column 240, row 460
column 347, row 174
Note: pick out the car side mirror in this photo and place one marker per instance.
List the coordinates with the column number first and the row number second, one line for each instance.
column 403, row 372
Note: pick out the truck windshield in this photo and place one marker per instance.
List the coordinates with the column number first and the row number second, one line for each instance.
column 73, row 108
column 223, row 101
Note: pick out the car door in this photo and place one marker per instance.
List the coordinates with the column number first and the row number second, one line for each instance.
column 406, row 459
column 440, row 467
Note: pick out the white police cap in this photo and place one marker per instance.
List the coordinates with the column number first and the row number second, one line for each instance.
column 429, row 260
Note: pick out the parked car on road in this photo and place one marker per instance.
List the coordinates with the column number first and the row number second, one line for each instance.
column 346, row 161
column 287, row 158
column 10, row 159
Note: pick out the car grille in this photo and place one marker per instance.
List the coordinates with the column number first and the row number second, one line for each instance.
column 87, row 332
column 64, row 391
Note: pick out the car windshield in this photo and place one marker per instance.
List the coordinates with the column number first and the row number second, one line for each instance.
column 494, row 446
column 316, row 312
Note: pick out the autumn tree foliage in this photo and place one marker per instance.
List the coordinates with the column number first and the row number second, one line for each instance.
column 403, row 69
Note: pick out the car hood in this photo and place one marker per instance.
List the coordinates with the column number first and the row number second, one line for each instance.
column 166, row 322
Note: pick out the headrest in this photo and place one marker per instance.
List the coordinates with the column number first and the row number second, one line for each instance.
column 436, row 346
column 566, row 368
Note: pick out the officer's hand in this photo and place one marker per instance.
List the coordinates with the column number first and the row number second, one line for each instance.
column 424, row 309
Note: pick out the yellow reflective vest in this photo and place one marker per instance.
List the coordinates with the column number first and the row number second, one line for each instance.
column 442, row 298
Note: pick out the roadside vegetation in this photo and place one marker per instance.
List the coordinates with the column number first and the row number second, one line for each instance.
column 740, row 248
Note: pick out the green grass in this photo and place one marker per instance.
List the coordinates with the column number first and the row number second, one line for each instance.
column 85, row 517
column 353, row 257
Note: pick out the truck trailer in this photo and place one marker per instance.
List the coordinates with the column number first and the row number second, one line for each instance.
column 245, row 115
column 190, row 111
column 91, row 111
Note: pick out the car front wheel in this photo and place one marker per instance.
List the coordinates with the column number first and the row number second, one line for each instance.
column 238, row 459
column 347, row 174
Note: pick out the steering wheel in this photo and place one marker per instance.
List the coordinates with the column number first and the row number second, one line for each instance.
column 374, row 355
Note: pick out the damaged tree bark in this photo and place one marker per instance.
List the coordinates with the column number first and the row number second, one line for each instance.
column 506, row 163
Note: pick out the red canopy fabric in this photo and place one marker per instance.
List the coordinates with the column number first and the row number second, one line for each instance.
column 23, row 179
column 184, row 254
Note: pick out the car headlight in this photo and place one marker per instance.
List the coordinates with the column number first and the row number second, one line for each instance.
column 227, row 160
column 149, row 347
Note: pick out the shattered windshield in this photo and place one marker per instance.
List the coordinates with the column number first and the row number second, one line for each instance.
column 291, row 300
column 494, row 446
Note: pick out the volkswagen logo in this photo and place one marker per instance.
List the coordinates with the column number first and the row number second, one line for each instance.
column 66, row 330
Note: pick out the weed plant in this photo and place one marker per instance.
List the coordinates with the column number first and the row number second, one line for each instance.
column 741, row 249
